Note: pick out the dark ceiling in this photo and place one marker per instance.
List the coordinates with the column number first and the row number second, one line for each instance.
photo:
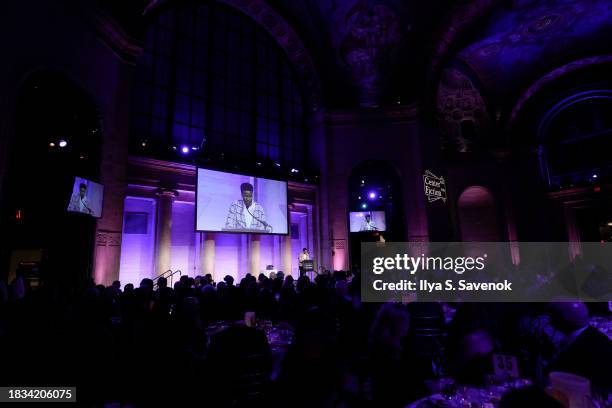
column 380, row 52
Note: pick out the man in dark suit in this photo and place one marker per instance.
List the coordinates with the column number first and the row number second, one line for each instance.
column 584, row 351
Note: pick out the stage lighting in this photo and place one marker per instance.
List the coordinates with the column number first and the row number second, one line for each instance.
column 594, row 176
column 295, row 170
column 185, row 149
column 63, row 143
column 364, row 206
column 51, row 144
column 372, row 195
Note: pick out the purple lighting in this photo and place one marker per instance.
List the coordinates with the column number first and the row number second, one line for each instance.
column 372, row 195
column 63, row 143
column 185, row 149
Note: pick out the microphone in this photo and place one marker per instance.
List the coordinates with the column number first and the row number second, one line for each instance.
column 86, row 207
column 265, row 224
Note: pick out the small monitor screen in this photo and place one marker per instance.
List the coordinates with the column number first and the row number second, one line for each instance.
column 86, row 197
column 228, row 202
column 367, row 221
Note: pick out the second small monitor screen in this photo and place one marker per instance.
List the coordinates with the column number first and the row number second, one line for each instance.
column 367, row 221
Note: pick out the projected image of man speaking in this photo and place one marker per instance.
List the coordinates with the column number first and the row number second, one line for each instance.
column 79, row 201
column 246, row 214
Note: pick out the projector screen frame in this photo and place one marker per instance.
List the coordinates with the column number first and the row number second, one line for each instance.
column 80, row 214
column 197, row 189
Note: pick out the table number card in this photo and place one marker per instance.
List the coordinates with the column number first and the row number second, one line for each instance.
column 505, row 366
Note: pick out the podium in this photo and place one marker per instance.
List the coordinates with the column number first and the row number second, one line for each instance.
column 308, row 268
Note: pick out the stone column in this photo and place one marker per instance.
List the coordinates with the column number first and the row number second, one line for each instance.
column 255, row 254
column 163, row 242
column 208, row 256
column 287, row 255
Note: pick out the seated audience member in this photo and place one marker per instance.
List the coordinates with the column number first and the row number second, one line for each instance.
column 208, row 279
column 474, row 359
column 17, row 289
column 389, row 373
column 3, row 293
column 584, row 350
column 163, row 298
column 117, row 285
column 528, row 397
column 312, row 358
column 240, row 365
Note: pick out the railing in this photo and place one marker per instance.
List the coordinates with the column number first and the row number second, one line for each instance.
column 169, row 274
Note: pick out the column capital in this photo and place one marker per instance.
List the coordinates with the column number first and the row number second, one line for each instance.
column 166, row 192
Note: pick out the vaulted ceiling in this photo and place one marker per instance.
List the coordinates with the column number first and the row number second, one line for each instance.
column 385, row 52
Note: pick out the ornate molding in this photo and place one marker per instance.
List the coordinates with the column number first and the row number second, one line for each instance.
column 462, row 17
column 108, row 238
column 459, row 100
column 109, row 31
column 284, row 35
column 553, row 76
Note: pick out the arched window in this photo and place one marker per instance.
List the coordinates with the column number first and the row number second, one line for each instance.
column 213, row 81
column 575, row 138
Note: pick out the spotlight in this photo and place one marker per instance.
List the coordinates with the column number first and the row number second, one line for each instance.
column 277, row 164
column 51, row 144
column 364, row 206
column 185, row 149
column 295, row 170
column 594, row 175
column 174, row 147
column 144, row 144
column 63, row 143
column 372, row 195
column 194, row 148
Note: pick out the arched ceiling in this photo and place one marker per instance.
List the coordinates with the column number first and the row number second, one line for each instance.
column 366, row 52
column 381, row 52
column 518, row 45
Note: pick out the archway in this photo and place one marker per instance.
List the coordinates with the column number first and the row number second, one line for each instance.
column 374, row 191
column 57, row 138
column 477, row 210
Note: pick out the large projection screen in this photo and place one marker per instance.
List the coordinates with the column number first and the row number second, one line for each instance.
column 238, row 203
